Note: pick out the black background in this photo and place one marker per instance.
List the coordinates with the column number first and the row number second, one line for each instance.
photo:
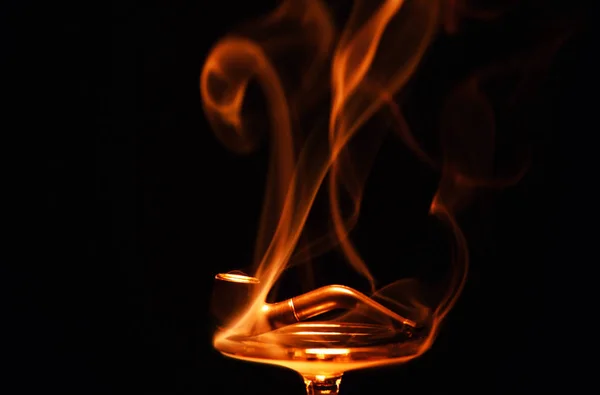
column 138, row 206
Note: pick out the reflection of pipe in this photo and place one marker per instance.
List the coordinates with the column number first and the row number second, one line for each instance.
column 233, row 295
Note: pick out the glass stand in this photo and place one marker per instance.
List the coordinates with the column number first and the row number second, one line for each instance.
column 318, row 385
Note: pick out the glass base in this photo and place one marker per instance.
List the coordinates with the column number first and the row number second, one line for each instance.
column 320, row 349
column 321, row 385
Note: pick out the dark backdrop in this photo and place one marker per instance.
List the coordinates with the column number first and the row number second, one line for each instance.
column 141, row 206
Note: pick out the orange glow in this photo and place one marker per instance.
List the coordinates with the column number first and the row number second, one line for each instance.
column 376, row 53
column 298, row 58
column 237, row 278
column 328, row 351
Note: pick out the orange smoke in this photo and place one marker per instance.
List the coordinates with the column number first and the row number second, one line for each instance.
column 299, row 60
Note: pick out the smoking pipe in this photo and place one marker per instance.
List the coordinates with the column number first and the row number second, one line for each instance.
column 233, row 294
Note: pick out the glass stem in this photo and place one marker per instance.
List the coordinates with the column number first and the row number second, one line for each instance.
column 321, row 384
